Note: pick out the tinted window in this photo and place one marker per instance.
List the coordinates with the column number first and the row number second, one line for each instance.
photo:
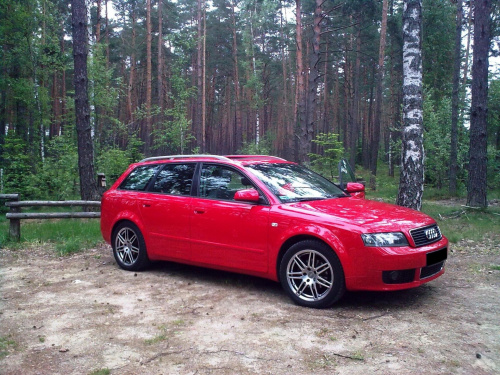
column 219, row 182
column 139, row 178
column 174, row 179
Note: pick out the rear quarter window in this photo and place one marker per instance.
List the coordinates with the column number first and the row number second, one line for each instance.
column 139, row 178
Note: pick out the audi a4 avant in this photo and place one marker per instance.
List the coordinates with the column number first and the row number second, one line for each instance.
column 268, row 217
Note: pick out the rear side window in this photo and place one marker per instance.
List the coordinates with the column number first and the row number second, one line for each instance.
column 174, row 179
column 139, row 178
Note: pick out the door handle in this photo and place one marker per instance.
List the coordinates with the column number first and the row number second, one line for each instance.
column 199, row 211
column 146, row 205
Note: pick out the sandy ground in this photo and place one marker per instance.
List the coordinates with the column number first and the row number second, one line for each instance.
column 81, row 313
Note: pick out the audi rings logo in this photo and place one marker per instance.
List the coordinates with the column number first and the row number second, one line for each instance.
column 431, row 233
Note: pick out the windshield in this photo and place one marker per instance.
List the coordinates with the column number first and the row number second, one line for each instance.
column 293, row 183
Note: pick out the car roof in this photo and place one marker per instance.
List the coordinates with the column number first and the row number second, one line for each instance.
column 238, row 159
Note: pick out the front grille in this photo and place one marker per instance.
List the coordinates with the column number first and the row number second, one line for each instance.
column 426, row 235
column 431, row 270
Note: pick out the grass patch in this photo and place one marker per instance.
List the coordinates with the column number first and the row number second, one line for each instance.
column 457, row 222
column 6, row 345
column 495, row 267
column 66, row 235
column 103, row 371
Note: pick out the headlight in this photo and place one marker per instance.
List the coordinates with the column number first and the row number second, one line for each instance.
column 384, row 239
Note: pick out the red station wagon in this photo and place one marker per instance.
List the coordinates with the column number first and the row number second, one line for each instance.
column 268, row 217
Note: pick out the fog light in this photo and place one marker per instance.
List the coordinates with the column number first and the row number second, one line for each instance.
column 398, row 276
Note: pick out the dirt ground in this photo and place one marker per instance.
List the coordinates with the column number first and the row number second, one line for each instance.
column 80, row 314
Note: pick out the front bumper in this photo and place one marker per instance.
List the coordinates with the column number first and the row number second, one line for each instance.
column 396, row 268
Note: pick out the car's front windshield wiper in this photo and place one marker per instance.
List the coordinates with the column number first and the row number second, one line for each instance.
column 305, row 199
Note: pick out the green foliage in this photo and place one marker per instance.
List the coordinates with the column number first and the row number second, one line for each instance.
column 59, row 173
column 18, row 168
column 438, row 46
column 331, row 151
column 114, row 161
column 458, row 223
column 437, row 125
column 493, row 168
column 263, row 148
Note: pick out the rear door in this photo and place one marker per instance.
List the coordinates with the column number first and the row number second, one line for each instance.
column 225, row 232
column 165, row 210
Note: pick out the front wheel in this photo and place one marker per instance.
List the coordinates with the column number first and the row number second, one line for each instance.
column 312, row 275
column 129, row 247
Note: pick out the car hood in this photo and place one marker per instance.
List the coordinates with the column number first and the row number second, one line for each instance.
column 367, row 215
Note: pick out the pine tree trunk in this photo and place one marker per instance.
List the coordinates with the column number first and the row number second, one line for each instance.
column 477, row 187
column 411, row 180
column 314, row 77
column 238, row 137
column 148, row 77
column 131, row 79
column 375, row 141
column 303, row 145
column 199, row 74
column 98, row 22
column 455, row 101
column 88, row 188
column 161, row 103
column 354, row 125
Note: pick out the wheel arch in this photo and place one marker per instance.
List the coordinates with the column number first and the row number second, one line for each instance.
column 298, row 238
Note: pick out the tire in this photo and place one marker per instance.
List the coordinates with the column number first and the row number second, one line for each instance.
column 312, row 275
column 129, row 247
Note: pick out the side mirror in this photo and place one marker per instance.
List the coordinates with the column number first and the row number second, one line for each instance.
column 355, row 189
column 247, row 195
column 346, row 174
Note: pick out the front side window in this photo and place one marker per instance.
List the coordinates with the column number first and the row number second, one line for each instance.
column 139, row 178
column 174, row 179
column 219, row 182
column 293, row 183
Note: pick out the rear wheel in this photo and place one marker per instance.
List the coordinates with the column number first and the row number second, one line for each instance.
column 129, row 247
column 312, row 275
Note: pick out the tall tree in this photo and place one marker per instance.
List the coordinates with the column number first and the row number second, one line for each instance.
column 161, row 103
column 88, row 187
column 375, row 141
column 148, row 75
column 302, row 130
column 411, row 180
column 476, row 187
column 455, row 101
column 314, row 72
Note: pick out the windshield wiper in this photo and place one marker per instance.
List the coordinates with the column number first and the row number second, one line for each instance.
column 306, row 199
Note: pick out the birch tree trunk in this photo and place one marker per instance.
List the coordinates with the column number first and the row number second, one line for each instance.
column 88, row 187
column 411, row 180
column 476, row 187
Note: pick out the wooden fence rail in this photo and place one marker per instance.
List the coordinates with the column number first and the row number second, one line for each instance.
column 15, row 215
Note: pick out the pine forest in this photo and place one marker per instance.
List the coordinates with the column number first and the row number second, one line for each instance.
column 97, row 85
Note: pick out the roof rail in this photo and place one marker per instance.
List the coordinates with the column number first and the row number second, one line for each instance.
column 267, row 157
column 171, row 157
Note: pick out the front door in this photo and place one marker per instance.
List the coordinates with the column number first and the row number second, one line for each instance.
column 225, row 232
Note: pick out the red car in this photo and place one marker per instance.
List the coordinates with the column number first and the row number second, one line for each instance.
column 268, row 217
